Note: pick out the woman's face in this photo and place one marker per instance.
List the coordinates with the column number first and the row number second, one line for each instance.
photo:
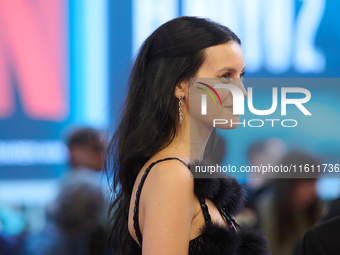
column 224, row 64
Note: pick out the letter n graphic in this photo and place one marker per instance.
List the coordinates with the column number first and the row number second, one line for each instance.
column 33, row 49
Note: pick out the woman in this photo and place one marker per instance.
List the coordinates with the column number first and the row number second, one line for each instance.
column 293, row 206
column 169, row 212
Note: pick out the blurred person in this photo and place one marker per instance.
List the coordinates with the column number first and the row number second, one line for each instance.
column 76, row 220
column 260, row 153
column 86, row 153
column 158, row 208
column 293, row 207
column 324, row 237
column 86, row 159
column 73, row 226
column 85, row 149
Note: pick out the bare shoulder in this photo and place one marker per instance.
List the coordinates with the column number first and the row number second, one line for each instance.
column 171, row 170
column 169, row 175
column 168, row 206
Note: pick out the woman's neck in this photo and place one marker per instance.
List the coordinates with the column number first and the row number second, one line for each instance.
column 189, row 142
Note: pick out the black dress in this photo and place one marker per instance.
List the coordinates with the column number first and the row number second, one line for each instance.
column 228, row 196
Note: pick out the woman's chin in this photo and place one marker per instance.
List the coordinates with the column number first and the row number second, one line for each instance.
column 230, row 122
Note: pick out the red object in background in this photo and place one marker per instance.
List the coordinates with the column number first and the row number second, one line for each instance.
column 33, row 49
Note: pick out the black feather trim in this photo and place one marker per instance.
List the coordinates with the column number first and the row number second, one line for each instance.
column 225, row 191
column 252, row 242
column 218, row 240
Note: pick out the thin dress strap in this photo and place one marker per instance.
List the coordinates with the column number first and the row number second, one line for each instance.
column 136, row 209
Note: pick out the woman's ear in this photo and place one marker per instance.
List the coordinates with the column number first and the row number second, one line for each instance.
column 182, row 89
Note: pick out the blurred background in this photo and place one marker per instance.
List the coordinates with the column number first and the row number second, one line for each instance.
column 64, row 65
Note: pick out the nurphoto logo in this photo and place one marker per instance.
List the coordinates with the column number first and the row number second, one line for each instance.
column 238, row 103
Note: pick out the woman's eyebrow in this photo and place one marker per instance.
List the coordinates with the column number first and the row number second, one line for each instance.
column 229, row 69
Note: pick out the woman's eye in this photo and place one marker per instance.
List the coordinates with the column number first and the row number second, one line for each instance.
column 226, row 78
column 226, row 75
column 242, row 75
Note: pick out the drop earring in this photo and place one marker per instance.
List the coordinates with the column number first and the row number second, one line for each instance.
column 180, row 109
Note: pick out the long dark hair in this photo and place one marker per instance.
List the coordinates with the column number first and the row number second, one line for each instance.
column 172, row 53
